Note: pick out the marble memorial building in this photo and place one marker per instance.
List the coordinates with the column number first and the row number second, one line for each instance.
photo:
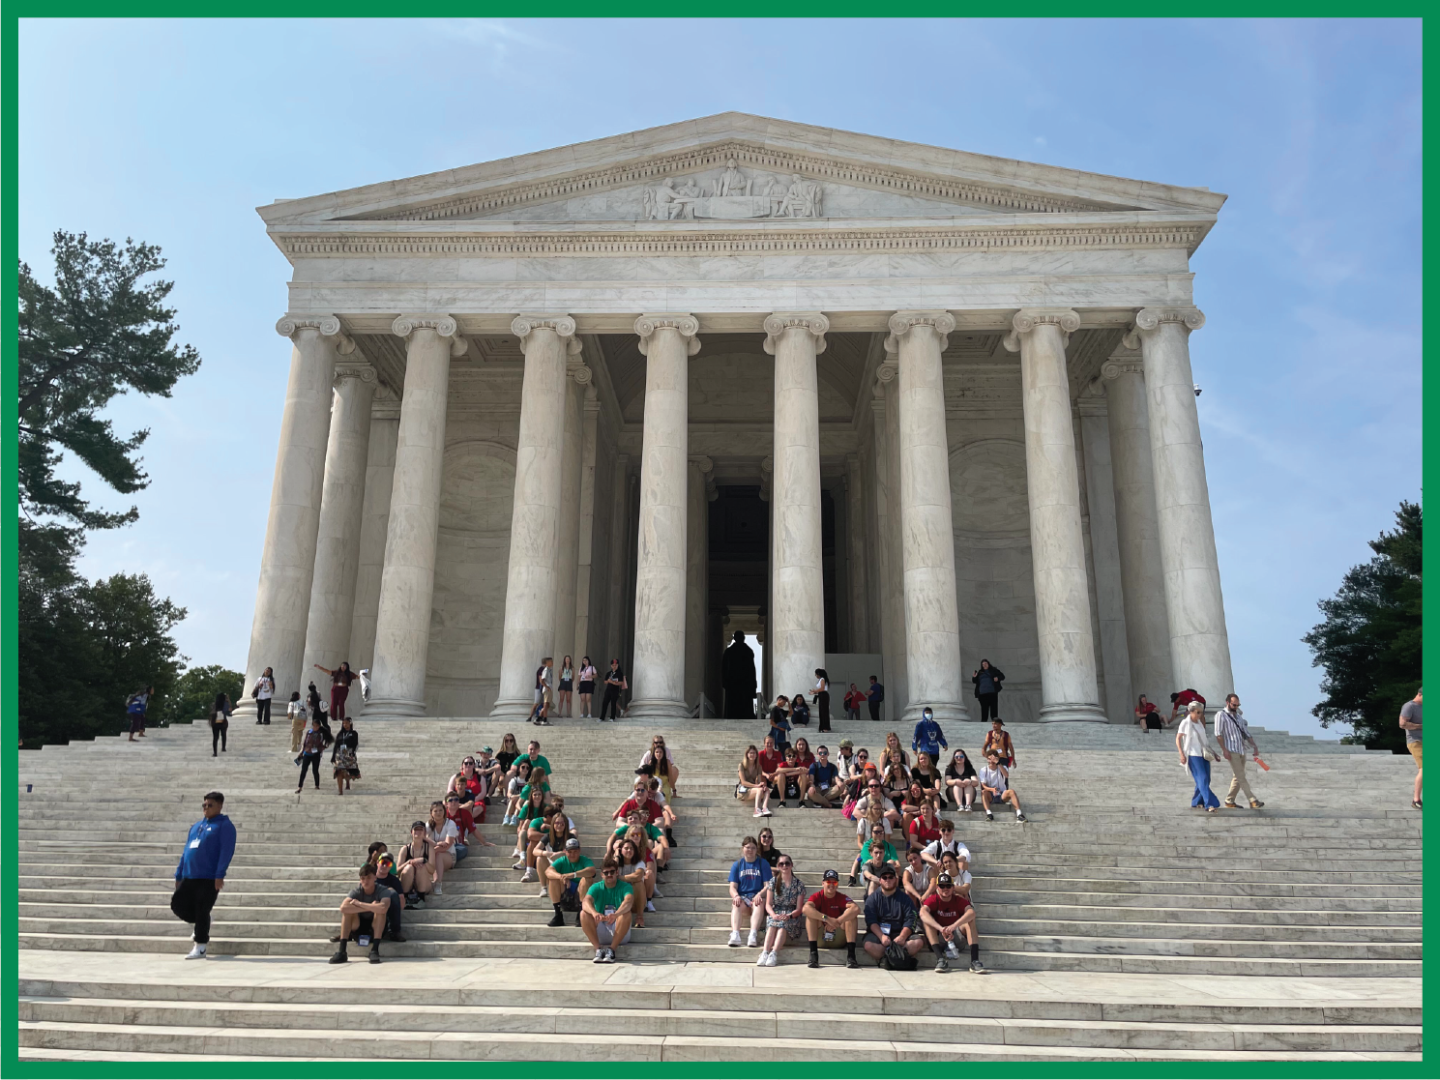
column 892, row 407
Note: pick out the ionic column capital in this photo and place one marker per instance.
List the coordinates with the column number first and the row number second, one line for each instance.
column 702, row 462
column 444, row 326
column 580, row 373
column 522, row 326
column 1117, row 366
column 687, row 326
column 813, row 321
column 290, row 326
column 1146, row 319
column 1027, row 319
column 885, row 373
column 767, row 471
column 902, row 322
column 357, row 370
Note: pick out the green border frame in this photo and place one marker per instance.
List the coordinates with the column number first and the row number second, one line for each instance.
column 10, row 1065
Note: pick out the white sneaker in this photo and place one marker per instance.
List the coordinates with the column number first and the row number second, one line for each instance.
column 772, row 960
column 761, row 959
column 649, row 905
column 752, row 941
column 517, row 854
column 529, row 875
column 757, row 814
column 734, row 939
column 543, row 893
column 197, row 953
column 599, row 957
column 438, row 890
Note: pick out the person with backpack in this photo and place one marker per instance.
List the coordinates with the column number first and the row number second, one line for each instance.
column 135, row 706
column 263, row 693
column 568, row 877
column 219, row 724
column 891, row 921
column 874, row 698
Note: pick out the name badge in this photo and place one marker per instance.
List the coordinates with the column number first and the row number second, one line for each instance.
column 885, row 928
column 195, row 843
column 609, row 910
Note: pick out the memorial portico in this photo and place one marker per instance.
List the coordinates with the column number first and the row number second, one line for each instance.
column 897, row 407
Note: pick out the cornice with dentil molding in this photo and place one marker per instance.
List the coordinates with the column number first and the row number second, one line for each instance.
column 1026, row 320
column 687, row 326
column 813, row 321
column 325, row 325
column 1151, row 318
column 444, row 326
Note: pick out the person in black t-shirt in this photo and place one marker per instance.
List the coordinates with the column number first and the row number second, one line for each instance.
column 614, row 683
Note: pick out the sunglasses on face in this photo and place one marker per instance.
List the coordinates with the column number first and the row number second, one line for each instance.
column 784, row 862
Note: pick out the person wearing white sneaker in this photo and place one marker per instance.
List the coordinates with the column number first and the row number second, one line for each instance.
column 201, row 873
column 784, row 908
column 750, row 876
column 995, row 787
column 606, row 911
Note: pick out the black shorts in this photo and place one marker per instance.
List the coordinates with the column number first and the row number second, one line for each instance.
column 565, row 684
column 587, row 688
column 367, row 926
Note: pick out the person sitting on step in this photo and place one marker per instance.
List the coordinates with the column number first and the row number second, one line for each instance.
column 534, row 758
column 912, row 805
column 513, row 786
column 946, row 842
column 659, row 761
column 385, row 875
column 874, row 795
column 750, row 875
column 875, row 854
column 784, row 910
column 361, row 912
column 470, row 785
column 666, row 811
column 917, row 878
column 995, row 786
column 831, row 919
column 924, row 829
column 772, row 760
column 752, row 785
column 544, row 843
column 961, row 783
column 637, row 869
column 651, row 835
column 946, row 915
column 606, row 912
column 891, row 920
column 791, row 778
column 414, row 862
column 824, row 788
column 444, row 834
column 656, row 813
column 950, row 864
column 567, row 878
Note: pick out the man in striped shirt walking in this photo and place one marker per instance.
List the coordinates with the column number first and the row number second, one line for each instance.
column 1234, row 736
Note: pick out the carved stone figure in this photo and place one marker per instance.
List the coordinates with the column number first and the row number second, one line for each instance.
column 732, row 181
column 802, row 199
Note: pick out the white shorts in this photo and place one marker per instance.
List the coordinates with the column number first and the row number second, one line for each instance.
column 605, row 932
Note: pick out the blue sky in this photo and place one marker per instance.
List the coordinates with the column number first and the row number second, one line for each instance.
column 173, row 132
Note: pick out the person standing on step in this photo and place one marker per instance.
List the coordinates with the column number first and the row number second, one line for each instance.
column 567, row 686
column 784, row 910
column 1234, row 737
column 853, row 699
column 614, row 683
column 263, row 693
column 606, row 912
column 891, row 922
column 200, row 876
column 568, row 877
column 945, row 915
column 822, row 699
column 987, row 680
column 874, row 697
column 928, row 738
column 342, row 756
column 998, row 739
column 135, row 706
column 298, row 715
column 543, row 693
column 831, row 919
column 363, row 915
column 995, row 787
column 1197, row 750
column 587, row 687
column 312, row 745
column 340, row 680
column 750, row 876
column 1412, row 723
column 219, row 724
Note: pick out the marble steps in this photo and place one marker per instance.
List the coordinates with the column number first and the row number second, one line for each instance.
column 748, row 1026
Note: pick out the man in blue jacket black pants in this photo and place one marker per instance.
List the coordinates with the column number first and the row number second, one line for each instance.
column 928, row 737
column 201, row 873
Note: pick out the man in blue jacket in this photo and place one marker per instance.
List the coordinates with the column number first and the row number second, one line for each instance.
column 201, row 873
column 874, row 697
column 928, row 737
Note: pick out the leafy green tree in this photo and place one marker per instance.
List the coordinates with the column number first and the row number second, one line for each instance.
column 1370, row 641
column 194, row 694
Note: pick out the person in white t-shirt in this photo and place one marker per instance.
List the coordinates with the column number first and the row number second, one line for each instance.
column 444, row 834
column 995, row 786
column 1197, row 749
column 947, row 843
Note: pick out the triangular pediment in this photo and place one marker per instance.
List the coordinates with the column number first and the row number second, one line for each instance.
column 736, row 167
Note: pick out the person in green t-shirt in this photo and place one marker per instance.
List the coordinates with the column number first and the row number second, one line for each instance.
column 535, row 759
column 572, row 874
column 606, row 912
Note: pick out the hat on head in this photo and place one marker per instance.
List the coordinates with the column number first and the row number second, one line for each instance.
column 486, row 750
column 887, row 871
column 944, row 879
column 572, row 844
column 847, row 744
column 831, row 875
column 997, row 720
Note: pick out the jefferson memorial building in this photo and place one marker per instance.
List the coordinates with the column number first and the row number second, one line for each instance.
column 888, row 408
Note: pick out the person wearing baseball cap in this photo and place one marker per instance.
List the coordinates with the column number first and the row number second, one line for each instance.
column 568, row 877
column 945, row 914
column 891, row 919
column 830, row 918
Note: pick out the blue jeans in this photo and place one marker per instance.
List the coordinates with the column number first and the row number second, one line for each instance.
column 460, row 851
column 1200, row 770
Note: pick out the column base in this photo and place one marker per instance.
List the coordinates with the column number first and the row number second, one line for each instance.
column 1072, row 712
column 512, row 708
column 245, row 708
column 658, row 709
column 392, row 709
column 945, row 712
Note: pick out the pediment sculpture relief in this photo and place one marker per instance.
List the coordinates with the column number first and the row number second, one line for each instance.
column 733, row 196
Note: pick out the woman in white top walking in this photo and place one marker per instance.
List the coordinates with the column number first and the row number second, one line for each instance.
column 1197, row 749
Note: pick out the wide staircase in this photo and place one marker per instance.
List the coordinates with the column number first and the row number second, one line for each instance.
column 1117, row 923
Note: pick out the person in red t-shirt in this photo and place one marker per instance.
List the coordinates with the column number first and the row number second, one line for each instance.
column 640, row 798
column 1180, row 703
column 830, row 915
column 926, row 828
column 945, row 914
column 771, row 760
column 464, row 821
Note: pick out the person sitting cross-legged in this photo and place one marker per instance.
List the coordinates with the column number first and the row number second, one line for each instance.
column 891, row 920
column 606, row 912
column 361, row 912
column 946, row 914
column 567, row 878
column 831, row 918
column 749, row 877
column 995, row 787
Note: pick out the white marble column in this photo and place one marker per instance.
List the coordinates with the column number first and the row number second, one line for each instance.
column 547, row 342
column 1199, row 643
column 932, row 615
column 855, row 552
column 407, row 585
column 1069, row 689
column 287, row 562
column 337, row 548
column 1137, row 529
column 797, row 571
column 667, row 342
column 567, row 554
column 585, row 615
column 697, row 528
column 1109, row 593
column 619, row 563
column 374, row 523
column 891, row 592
